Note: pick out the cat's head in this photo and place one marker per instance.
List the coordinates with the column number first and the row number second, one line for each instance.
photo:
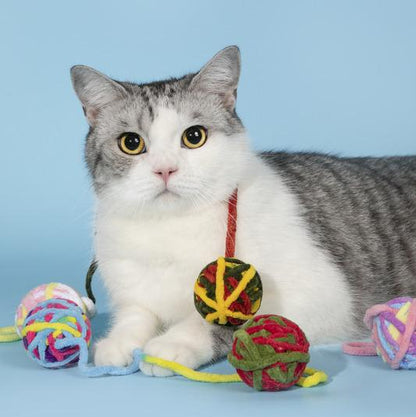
column 167, row 145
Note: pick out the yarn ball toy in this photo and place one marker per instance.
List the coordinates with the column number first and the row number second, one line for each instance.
column 270, row 353
column 228, row 292
column 52, row 320
column 46, row 292
column 393, row 332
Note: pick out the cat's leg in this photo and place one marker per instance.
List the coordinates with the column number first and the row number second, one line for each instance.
column 132, row 328
column 192, row 342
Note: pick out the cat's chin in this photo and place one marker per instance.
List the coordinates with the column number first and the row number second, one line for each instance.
column 167, row 201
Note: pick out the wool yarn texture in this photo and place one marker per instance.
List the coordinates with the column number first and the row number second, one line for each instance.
column 46, row 292
column 393, row 331
column 270, row 353
column 54, row 331
column 52, row 321
column 228, row 292
column 57, row 333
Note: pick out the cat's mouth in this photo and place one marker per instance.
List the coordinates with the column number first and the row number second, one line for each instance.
column 166, row 193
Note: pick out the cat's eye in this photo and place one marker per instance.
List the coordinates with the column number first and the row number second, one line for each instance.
column 194, row 137
column 131, row 143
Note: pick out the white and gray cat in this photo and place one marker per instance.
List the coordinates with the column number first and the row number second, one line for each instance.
column 329, row 236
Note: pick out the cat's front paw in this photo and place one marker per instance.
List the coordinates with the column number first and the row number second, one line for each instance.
column 114, row 351
column 172, row 350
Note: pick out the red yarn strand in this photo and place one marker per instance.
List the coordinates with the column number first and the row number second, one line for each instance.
column 289, row 344
column 231, row 226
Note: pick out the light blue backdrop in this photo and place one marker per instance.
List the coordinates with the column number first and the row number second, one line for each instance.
column 332, row 76
column 317, row 75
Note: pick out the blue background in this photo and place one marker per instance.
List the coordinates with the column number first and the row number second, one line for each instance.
column 331, row 76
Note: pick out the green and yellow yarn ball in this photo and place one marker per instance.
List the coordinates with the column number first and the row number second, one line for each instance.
column 228, row 292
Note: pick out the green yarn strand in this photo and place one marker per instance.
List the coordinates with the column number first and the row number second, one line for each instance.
column 248, row 297
column 88, row 280
column 269, row 352
column 258, row 379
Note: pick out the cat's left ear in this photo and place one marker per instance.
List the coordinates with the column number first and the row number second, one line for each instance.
column 220, row 76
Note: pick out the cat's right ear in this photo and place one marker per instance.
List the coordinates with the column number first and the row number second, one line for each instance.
column 95, row 90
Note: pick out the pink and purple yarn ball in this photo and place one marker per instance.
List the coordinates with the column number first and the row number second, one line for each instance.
column 52, row 320
column 393, row 331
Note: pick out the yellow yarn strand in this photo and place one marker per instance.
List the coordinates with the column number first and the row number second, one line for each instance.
column 49, row 290
column 402, row 316
column 202, row 293
column 311, row 376
column 256, row 305
column 219, row 291
column 235, row 314
column 61, row 327
column 230, row 264
column 221, row 306
column 9, row 334
column 190, row 373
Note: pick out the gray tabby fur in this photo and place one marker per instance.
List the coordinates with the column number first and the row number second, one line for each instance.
column 362, row 211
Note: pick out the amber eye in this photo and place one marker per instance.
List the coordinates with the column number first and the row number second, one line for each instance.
column 131, row 143
column 194, row 137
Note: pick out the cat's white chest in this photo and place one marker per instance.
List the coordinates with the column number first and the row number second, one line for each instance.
column 154, row 261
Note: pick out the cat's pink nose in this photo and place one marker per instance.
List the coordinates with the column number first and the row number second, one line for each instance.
column 165, row 173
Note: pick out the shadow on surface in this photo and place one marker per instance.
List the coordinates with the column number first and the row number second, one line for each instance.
column 374, row 362
column 329, row 359
column 100, row 324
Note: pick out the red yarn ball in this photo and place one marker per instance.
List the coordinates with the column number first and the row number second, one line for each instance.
column 270, row 353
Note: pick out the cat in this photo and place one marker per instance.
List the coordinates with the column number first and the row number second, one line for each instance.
column 330, row 236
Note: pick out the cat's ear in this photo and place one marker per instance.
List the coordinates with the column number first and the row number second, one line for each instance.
column 95, row 90
column 220, row 75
